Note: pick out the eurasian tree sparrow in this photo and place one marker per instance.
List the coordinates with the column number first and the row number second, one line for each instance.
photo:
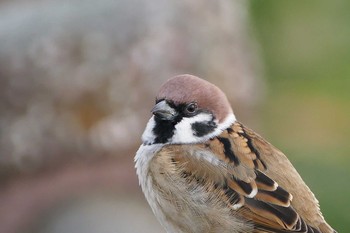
column 203, row 171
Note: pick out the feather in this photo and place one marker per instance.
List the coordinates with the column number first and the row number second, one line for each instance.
column 236, row 165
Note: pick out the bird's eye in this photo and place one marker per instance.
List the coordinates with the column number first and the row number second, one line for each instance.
column 191, row 108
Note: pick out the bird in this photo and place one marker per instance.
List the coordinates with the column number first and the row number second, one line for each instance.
column 201, row 170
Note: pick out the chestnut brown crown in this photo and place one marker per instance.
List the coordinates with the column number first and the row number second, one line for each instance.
column 187, row 88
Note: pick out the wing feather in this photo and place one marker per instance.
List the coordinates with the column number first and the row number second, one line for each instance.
column 236, row 162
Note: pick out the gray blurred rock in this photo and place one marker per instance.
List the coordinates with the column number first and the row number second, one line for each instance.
column 79, row 77
column 77, row 81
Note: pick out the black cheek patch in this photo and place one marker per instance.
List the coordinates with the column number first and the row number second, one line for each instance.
column 203, row 128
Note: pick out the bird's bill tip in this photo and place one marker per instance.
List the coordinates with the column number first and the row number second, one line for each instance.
column 163, row 111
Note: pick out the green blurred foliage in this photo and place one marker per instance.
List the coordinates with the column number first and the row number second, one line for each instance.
column 306, row 49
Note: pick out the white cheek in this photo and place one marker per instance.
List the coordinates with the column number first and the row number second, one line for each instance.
column 148, row 135
column 183, row 129
column 184, row 132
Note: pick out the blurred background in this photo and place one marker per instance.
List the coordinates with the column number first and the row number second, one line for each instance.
column 78, row 79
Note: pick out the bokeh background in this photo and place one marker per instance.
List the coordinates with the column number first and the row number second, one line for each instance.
column 78, row 79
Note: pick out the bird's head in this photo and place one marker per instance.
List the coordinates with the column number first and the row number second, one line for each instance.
column 188, row 110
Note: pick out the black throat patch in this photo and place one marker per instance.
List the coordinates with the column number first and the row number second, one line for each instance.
column 164, row 129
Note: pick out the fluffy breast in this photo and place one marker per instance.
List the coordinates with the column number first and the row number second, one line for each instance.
column 181, row 202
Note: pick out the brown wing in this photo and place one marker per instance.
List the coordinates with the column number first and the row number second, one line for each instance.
column 253, row 188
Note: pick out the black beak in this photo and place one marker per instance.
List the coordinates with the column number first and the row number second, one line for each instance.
column 163, row 111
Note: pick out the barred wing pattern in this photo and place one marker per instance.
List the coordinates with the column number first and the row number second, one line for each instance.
column 237, row 167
